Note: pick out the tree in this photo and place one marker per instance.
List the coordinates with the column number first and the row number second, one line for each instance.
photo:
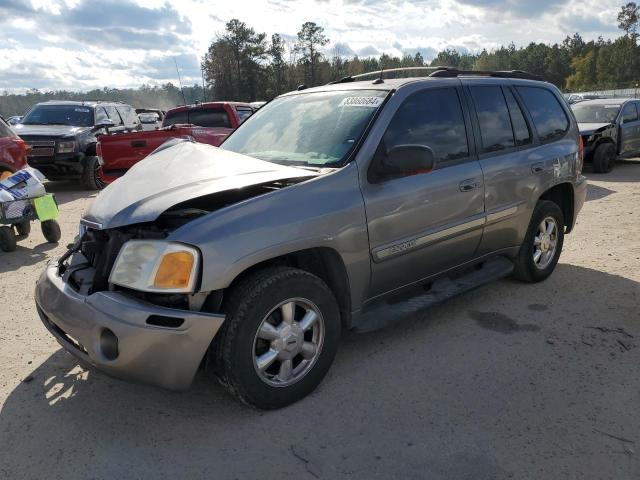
column 628, row 19
column 310, row 39
column 278, row 65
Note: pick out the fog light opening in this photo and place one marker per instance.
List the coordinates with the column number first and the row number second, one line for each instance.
column 109, row 344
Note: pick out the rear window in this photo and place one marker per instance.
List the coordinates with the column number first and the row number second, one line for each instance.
column 5, row 129
column 548, row 116
column 493, row 118
column 128, row 115
column 202, row 117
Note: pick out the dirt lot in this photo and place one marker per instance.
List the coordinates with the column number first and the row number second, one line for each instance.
column 509, row 381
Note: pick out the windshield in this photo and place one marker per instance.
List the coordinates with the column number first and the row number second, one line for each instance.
column 309, row 129
column 600, row 113
column 73, row 115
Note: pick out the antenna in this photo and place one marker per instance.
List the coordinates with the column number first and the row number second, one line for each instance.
column 180, row 80
column 204, row 89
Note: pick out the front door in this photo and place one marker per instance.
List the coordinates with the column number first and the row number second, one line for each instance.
column 629, row 129
column 423, row 223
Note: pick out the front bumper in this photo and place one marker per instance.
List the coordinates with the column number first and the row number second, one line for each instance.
column 161, row 356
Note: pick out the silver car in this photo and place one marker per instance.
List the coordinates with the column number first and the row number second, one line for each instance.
column 347, row 206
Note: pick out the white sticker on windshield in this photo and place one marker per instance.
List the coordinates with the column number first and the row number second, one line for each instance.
column 83, row 110
column 371, row 102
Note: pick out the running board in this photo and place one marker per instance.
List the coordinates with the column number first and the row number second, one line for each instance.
column 397, row 308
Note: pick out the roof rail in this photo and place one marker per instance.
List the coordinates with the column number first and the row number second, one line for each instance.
column 445, row 72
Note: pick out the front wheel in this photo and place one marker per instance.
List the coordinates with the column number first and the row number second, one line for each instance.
column 279, row 338
column 7, row 239
column 540, row 251
column 92, row 175
column 51, row 231
column 604, row 158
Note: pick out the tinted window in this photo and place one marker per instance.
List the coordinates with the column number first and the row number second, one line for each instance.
column 175, row 118
column 547, row 114
column 5, row 130
column 520, row 128
column 113, row 114
column 493, row 118
column 629, row 113
column 210, row 117
column 595, row 113
column 75, row 115
column 244, row 113
column 432, row 118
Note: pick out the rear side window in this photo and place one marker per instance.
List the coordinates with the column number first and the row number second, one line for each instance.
column 244, row 113
column 210, row 117
column 493, row 118
column 629, row 114
column 101, row 115
column 548, row 116
column 521, row 131
column 175, row 118
column 432, row 118
column 5, row 129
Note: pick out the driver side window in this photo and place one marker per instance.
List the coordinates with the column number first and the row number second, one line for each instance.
column 101, row 115
column 629, row 114
column 430, row 118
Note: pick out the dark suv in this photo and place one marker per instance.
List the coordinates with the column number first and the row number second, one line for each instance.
column 343, row 206
column 62, row 136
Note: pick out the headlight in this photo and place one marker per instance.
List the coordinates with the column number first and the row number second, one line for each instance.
column 156, row 266
column 66, row 147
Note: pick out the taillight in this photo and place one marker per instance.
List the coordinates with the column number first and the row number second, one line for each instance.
column 99, row 150
column 580, row 160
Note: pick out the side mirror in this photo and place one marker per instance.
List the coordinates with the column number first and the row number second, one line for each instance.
column 409, row 160
column 106, row 123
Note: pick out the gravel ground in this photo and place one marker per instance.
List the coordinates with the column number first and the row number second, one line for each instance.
column 509, row 381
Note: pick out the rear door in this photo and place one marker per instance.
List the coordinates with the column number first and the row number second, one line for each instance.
column 425, row 222
column 629, row 129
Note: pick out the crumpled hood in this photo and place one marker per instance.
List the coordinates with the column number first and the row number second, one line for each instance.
column 589, row 128
column 48, row 130
column 176, row 174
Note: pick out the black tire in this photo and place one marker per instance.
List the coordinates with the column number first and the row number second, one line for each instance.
column 92, row 174
column 7, row 239
column 23, row 228
column 248, row 304
column 526, row 269
column 604, row 158
column 51, row 231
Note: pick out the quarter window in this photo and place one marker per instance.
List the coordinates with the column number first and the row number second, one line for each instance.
column 521, row 131
column 493, row 118
column 548, row 116
column 431, row 118
column 113, row 115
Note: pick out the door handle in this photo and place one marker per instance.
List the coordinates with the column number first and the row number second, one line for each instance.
column 138, row 143
column 468, row 185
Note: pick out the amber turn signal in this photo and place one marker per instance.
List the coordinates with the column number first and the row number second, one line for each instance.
column 175, row 270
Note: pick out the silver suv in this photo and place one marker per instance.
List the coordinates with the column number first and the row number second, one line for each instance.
column 344, row 206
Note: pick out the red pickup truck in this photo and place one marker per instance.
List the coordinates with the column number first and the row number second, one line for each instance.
column 13, row 151
column 206, row 123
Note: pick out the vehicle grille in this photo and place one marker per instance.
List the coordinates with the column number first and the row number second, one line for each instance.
column 40, row 148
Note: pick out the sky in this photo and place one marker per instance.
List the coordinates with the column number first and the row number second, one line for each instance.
column 80, row 44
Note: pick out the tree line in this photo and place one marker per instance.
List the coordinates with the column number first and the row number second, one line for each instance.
column 245, row 65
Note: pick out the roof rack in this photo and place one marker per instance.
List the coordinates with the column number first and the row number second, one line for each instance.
column 445, row 72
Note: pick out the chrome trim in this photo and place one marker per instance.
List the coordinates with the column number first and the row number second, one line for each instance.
column 500, row 214
column 411, row 244
column 90, row 224
column 37, row 144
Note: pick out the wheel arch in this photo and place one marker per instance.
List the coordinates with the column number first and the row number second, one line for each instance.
column 562, row 195
column 323, row 262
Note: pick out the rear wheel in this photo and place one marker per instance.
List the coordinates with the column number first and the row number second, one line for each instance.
column 279, row 338
column 51, row 231
column 92, row 175
column 604, row 158
column 7, row 239
column 23, row 228
column 540, row 251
